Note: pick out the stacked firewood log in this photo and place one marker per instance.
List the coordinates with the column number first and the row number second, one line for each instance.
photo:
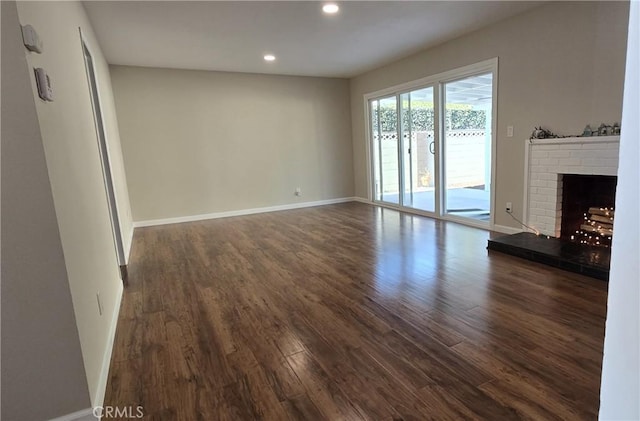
column 597, row 227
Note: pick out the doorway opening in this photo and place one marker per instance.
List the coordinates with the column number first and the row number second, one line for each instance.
column 104, row 160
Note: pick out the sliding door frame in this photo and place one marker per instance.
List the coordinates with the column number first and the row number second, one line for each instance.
column 372, row 182
column 436, row 81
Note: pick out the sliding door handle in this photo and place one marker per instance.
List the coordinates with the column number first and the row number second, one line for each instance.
column 432, row 147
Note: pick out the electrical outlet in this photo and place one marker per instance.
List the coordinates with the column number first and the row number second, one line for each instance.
column 509, row 131
column 298, row 191
column 509, row 207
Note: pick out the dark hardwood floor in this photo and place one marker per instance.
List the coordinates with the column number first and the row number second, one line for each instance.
column 351, row 312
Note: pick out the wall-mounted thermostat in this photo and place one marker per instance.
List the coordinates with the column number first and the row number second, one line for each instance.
column 44, row 84
column 31, row 39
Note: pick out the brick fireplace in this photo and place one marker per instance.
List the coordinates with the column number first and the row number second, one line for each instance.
column 565, row 178
column 549, row 160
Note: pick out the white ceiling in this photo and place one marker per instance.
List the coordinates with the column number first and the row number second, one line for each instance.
column 234, row 36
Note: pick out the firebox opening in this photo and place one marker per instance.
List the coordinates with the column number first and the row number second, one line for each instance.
column 588, row 208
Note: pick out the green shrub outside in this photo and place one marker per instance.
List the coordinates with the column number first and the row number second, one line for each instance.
column 458, row 117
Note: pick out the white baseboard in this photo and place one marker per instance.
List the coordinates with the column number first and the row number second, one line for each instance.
column 83, row 415
column 216, row 215
column 127, row 251
column 106, row 361
column 505, row 229
column 361, row 200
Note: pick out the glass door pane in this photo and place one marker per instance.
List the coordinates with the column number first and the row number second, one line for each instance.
column 467, row 147
column 418, row 149
column 384, row 131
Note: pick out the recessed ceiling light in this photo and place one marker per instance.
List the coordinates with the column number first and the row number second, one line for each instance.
column 330, row 8
column 269, row 57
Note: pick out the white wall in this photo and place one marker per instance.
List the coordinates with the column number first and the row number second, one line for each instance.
column 561, row 65
column 43, row 373
column 198, row 142
column 620, row 389
column 71, row 150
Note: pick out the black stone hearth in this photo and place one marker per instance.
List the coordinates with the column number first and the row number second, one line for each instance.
column 579, row 258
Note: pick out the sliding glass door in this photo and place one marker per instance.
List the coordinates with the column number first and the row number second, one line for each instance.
column 432, row 145
column 384, row 130
column 467, row 146
column 418, row 149
column 403, row 144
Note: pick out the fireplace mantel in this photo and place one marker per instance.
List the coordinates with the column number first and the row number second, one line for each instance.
column 545, row 162
column 575, row 140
